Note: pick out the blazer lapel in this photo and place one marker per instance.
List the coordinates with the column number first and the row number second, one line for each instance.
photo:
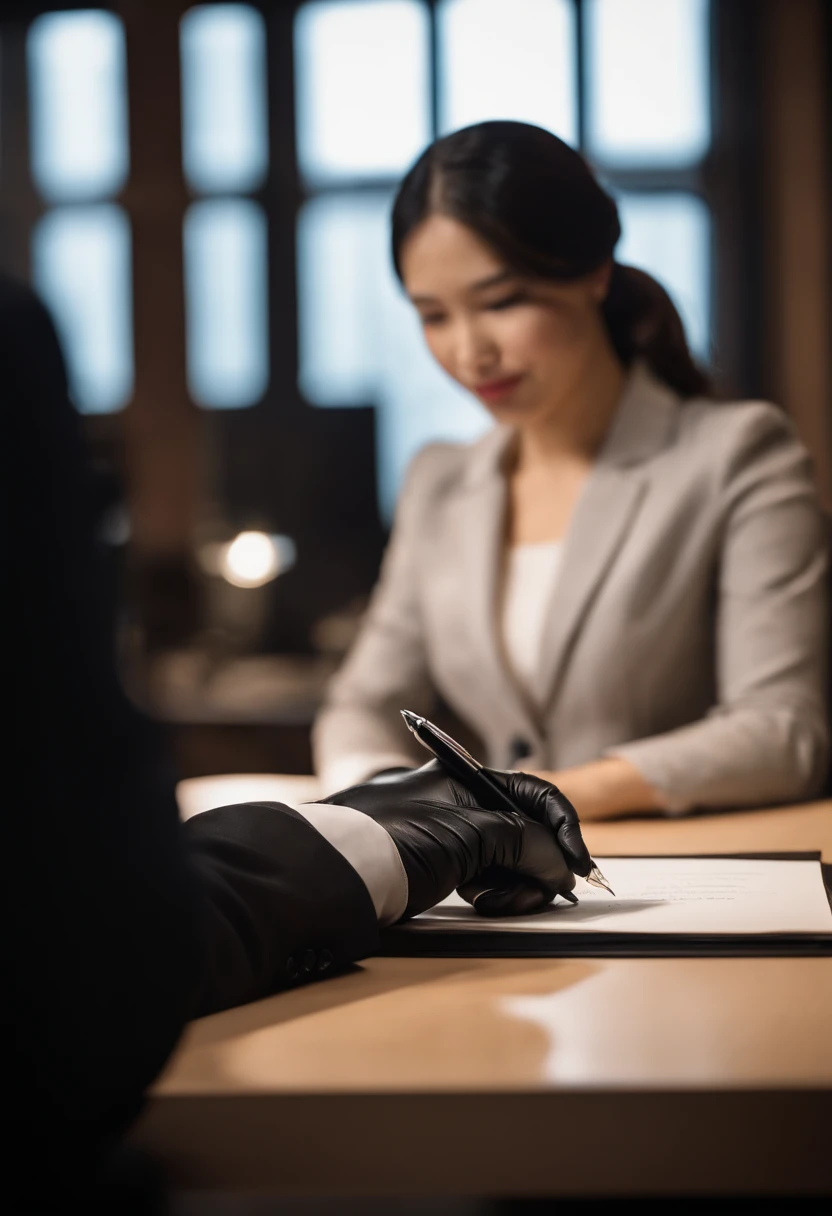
column 605, row 513
column 475, row 537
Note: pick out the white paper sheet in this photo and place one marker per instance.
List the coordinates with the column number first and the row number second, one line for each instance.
column 670, row 895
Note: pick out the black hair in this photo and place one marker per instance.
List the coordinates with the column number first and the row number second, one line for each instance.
column 536, row 202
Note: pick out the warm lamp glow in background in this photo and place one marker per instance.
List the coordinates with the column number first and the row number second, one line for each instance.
column 251, row 559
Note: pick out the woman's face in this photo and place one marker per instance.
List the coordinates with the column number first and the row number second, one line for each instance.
column 520, row 345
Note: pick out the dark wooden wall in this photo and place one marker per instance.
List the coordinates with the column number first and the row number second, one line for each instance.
column 797, row 193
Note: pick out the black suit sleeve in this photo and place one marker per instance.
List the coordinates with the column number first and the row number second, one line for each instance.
column 113, row 935
column 280, row 905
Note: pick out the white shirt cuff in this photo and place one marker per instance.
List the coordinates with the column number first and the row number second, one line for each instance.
column 369, row 849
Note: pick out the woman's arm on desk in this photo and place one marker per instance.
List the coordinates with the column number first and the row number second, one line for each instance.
column 605, row 789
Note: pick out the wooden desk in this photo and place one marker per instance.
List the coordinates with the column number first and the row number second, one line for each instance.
column 523, row 1077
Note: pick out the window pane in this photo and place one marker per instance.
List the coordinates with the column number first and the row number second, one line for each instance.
column 78, row 104
column 508, row 60
column 669, row 235
column 224, row 137
column 362, row 86
column 360, row 342
column 341, row 269
column 81, row 267
column 648, row 78
column 227, row 303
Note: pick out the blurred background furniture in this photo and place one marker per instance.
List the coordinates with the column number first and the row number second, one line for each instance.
column 250, row 712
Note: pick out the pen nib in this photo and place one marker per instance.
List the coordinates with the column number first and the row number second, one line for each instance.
column 596, row 879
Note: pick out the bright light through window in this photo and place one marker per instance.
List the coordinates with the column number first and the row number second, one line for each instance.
column 648, row 78
column 362, row 86
column 508, row 59
column 669, row 235
column 78, row 122
column 343, row 283
column 226, row 297
column 81, row 267
column 224, row 130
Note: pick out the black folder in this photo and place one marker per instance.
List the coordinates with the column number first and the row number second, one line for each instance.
column 406, row 941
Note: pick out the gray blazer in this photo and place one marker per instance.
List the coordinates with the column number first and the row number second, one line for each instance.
column 688, row 629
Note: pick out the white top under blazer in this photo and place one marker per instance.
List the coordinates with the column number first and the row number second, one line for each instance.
column 528, row 588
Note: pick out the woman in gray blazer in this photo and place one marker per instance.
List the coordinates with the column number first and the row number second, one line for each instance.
column 623, row 585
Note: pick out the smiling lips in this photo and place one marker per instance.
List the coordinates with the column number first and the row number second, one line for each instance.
column 496, row 390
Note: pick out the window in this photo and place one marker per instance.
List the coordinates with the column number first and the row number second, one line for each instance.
column 226, row 293
column 513, row 60
column 81, row 256
column 648, row 81
column 81, row 264
column 363, row 87
column 647, row 120
column 79, row 113
column 224, row 135
column 225, row 161
column 376, row 80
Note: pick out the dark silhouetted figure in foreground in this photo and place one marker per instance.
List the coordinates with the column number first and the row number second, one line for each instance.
column 120, row 923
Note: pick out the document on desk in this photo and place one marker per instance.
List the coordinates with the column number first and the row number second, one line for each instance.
column 662, row 905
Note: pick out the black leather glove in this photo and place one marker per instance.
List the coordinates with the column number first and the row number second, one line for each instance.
column 539, row 800
column 503, row 863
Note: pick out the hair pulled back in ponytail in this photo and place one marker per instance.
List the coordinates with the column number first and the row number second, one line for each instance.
column 643, row 323
column 535, row 201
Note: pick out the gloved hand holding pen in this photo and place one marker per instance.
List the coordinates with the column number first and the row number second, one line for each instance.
column 505, row 863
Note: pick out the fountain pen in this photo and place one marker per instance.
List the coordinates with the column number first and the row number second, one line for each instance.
column 473, row 775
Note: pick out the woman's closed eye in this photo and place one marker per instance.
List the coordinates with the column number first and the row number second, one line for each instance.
column 505, row 302
column 516, row 297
